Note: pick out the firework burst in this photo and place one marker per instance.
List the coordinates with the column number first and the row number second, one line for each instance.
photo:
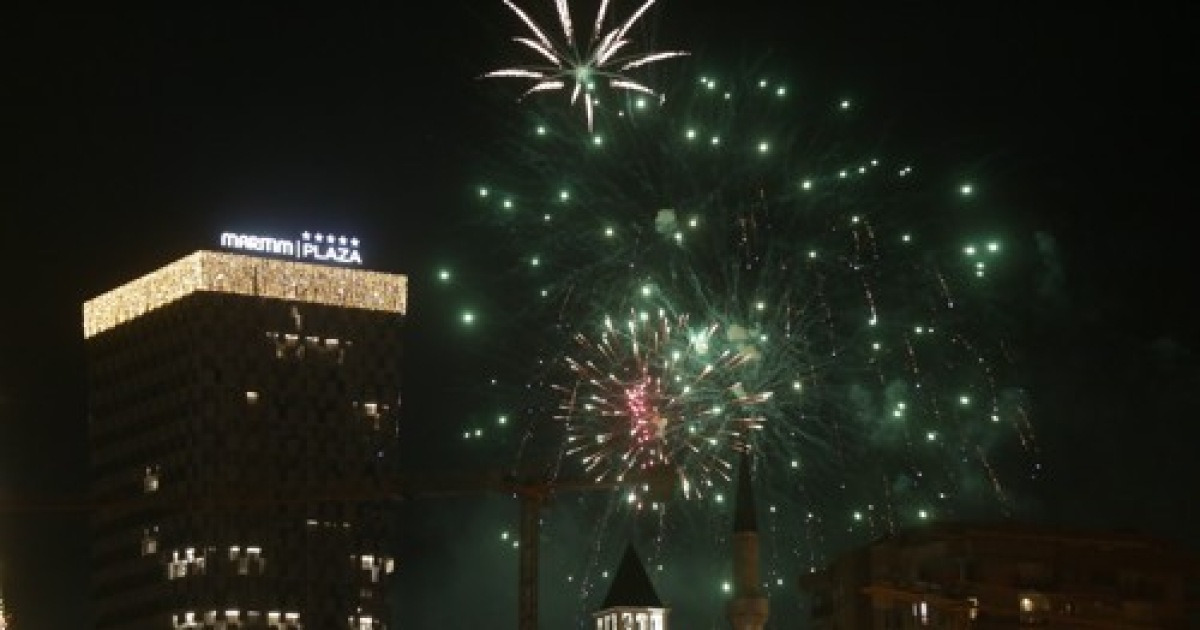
column 843, row 310
column 655, row 394
column 569, row 63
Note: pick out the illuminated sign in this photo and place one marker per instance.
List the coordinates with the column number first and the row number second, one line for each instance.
column 310, row 246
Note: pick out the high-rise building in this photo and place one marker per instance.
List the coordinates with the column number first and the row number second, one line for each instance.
column 243, row 433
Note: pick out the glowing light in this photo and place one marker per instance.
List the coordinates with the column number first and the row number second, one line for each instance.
column 237, row 274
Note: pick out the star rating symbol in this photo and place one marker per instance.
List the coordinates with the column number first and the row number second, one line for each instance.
column 331, row 239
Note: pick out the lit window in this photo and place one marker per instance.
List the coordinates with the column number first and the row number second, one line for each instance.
column 1034, row 607
column 149, row 541
column 150, row 479
column 251, row 397
column 921, row 612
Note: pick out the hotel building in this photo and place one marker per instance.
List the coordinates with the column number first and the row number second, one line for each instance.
column 243, row 437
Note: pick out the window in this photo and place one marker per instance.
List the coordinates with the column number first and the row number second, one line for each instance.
column 1034, row 608
column 920, row 612
column 150, row 479
column 150, row 541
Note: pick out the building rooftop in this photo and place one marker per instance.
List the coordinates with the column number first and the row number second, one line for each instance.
column 218, row 272
column 631, row 586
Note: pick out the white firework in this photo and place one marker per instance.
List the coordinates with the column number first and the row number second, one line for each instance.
column 565, row 64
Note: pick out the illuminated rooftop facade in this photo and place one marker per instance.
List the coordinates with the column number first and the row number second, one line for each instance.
column 245, row 275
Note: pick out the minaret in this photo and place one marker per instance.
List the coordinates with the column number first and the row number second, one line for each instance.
column 748, row 608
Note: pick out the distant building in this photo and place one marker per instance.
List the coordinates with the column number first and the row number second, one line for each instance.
column 1006, row 576
column 242, row 419
column 631, row 603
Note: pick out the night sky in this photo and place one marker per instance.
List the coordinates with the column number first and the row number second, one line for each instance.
column 131, row 138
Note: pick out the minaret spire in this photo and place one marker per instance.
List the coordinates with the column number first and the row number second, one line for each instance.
column 748, row 608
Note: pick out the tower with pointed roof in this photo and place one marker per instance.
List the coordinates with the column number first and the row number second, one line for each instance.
column 631, row 603
column 748, row 608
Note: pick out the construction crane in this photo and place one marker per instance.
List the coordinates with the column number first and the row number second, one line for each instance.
column 532, row 497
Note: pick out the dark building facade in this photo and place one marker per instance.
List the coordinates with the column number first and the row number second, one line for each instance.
column 243, row 434
column 991, row 576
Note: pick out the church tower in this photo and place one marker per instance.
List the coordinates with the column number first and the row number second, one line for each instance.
column 632, row 603
column 748, row 608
